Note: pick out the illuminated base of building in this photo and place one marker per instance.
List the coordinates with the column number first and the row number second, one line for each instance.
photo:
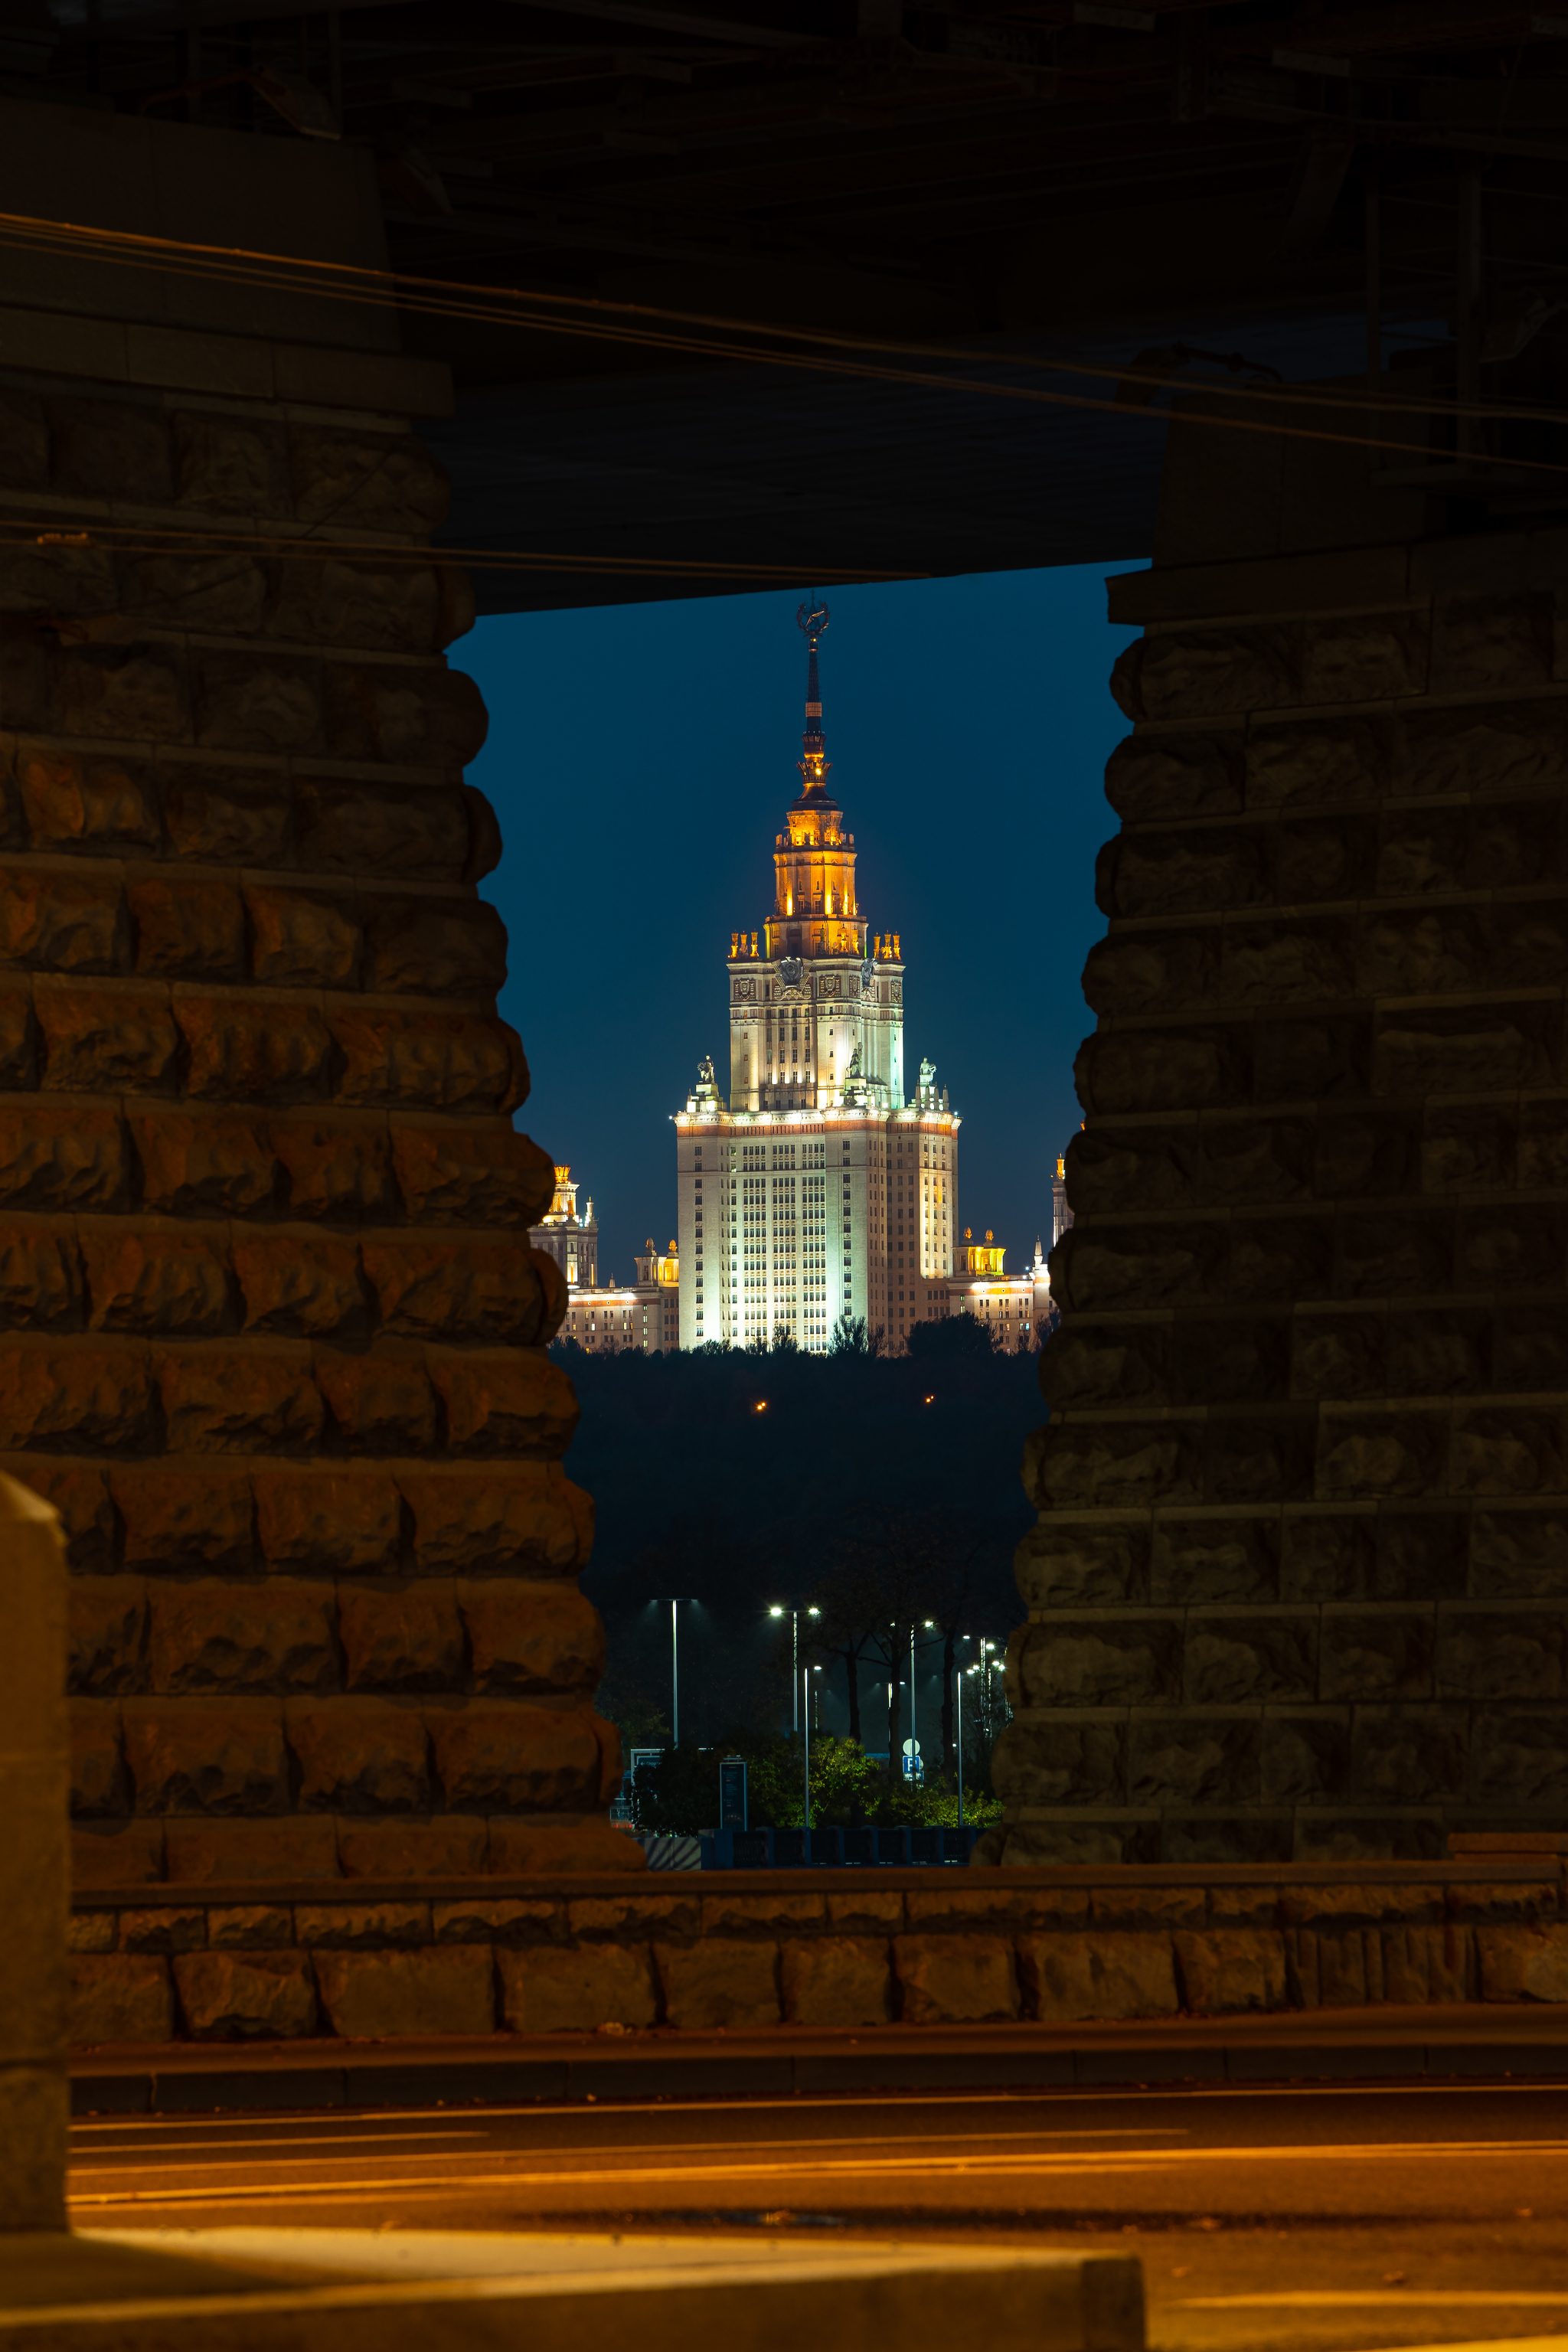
column 791, row 1219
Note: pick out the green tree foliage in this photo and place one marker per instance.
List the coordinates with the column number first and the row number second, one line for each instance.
column 677, row 1793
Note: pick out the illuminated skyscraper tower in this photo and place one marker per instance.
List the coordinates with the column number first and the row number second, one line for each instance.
column 813, row 1187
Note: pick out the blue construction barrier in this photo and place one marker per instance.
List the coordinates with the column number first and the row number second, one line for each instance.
column 836, row 1849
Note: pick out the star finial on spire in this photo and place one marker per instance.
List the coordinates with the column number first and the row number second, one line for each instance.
column 811, row 620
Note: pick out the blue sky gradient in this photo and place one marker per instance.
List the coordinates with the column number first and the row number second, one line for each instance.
column 640, row 758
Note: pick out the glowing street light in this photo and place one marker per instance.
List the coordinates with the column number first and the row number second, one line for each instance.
column 777, row 1608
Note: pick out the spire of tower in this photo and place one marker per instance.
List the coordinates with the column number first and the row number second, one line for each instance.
column 811, row 620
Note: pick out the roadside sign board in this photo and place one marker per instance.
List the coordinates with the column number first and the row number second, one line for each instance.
column 732, row 1793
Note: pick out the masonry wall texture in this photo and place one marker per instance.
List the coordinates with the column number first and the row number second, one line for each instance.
column 1300, row 1582
column 274, row 1338
column 852, row 1949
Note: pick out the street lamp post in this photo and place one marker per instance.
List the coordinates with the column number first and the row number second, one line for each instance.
column 806, row 1752
column 957, row 1699
column 674, row 1673
column 778, row 1610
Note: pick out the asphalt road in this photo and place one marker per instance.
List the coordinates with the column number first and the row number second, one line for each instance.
column 1333, row 2220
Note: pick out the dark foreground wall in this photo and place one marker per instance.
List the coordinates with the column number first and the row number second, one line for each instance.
column 1299, row 1584
column 274, row 1340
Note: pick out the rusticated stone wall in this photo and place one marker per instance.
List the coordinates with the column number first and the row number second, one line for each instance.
column 845, row 1949
column 274, row 1333
column 1300, row 1583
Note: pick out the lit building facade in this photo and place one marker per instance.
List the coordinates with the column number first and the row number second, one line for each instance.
column 1016, row 1308
column 815, row 1184
column 645, row 1314
column 571, row 1241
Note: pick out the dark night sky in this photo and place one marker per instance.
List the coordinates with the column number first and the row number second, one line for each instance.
column 640, row 758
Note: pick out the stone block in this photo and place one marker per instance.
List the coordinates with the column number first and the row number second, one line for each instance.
column 379, row 1404
column 111, row 450
column 1409, row 1834
column 1428, row 1964
column 1329, row 1556
column 24, row 442
column 183, row 1522
column 359, row 827
column 187, row 930
column 719, row 1983
column 757, row 1913
column 232, row 1996
column 108, row 1631
column 1230, row 1968
column 622, row 1916
column 865, row 1914
column 83, row 1399
column 250, row 1927
column 291, row 1292
column 61, row 1159
column 237, row 1051
column 1522, row 1963
column 525, row 1519
column 232, row 1403
column 391, row 608
column 372, row 481
column 426, row 1061
column 62, row 922
column 837, row 1980
column 362, row 1926
column 358, row 1757
column 163, row 1930
column 547, row 1991
column 327, row 1522
column 529, row 1635
column 501, row 1920
column 1383, row 1654
column 1062, row 1761
column 1193, row 1758
column 1499, row 1653
column 1305, row 1757
column 1403, row 1756
column 1108, row 1661
column 248, row 704
column 433, row 948
column 92, row 1931
column 301, row 938
column 203, row 1167
column 81, row 1499
column 456, row 1291
column 185, row 1756
column 451, row 1845
column 1376, row 1455
column 956, row 1980
column 211, row 593
column 98, row 1042
column 230, row 1639
column 400, row 1637
column 129, row 691
column 1517, row 1553
column 496, row 1757
column 1215, row 1560
column 380, row 1996
column 1509, row 1899
column 1230, row 1659
column 516, row 1403
column 121, row 1998
column 226, row 816
column 1418, row 1053
column 1067, row 1977
column 555, row 1850
column 335, row 1174
column 1338, row 1357
column 1519, row 1757
column 421, row 717
column 1508, row 1452
column 1420, row 1555
column 1118, row 1466
column 155, row 1281
column 249, row 1852
column 117, row 1853
column 1068, row 1567
column 99, row 1789
column 451, row 1177
column 1497, row 644
column 1186, row 776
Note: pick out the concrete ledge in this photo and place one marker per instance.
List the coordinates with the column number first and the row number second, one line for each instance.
column 1456, row 2044
column 647, row 2295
